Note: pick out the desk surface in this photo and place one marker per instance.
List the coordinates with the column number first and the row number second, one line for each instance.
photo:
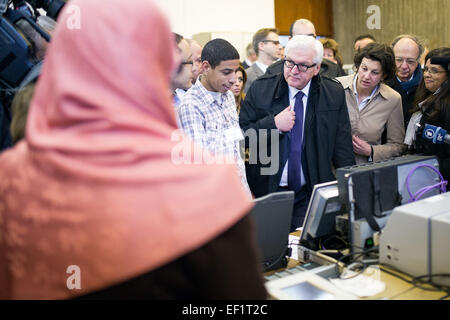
column 396, row 288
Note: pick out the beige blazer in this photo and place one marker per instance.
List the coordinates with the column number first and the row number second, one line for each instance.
column 384, row 110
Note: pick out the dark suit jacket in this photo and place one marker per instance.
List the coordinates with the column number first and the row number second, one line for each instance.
column 327, row 69
column 327, row 133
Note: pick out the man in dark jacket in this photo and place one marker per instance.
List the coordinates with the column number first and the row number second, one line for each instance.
column 303, row 121
column 407, row 50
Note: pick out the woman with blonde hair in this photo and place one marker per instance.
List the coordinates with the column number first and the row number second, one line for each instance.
column 331, row 53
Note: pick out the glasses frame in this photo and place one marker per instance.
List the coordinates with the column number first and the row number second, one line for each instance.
column 300, row 66
column 432, row 71
column 275, row 42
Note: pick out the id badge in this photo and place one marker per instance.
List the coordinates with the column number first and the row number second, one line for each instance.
column 234, row 134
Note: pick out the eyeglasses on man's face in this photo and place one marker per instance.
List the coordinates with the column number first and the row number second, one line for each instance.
column 272, row 41
column 409, row 61
column 187, row 62
column 300, row 66
column 432, row 70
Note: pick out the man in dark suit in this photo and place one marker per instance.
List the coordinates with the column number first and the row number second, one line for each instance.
column 303, row 120
column 267, row 46
column 306, row 27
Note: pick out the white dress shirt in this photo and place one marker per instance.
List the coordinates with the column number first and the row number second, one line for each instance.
column 292, row 92
column 262, row 66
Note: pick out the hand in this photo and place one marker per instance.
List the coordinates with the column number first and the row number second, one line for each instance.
column 361, row 147
column 285, row 120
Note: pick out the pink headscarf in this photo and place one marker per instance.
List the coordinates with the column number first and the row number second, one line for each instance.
column 93, row 185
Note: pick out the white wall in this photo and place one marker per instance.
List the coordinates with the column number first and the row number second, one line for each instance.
column 232, row 20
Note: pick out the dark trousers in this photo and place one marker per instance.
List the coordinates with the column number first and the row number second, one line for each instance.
column 300, row 205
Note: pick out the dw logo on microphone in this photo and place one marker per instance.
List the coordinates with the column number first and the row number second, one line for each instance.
column 429, row 133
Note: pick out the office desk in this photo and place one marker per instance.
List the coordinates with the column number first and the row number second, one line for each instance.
column 398, row 289
column 395, row 288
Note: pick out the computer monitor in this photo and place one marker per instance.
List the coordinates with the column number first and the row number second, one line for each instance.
column 272, row 216
column 371, row 191
column 320, row 218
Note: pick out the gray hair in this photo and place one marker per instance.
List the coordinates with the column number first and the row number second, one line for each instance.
column 306, row 42
column 414, row 38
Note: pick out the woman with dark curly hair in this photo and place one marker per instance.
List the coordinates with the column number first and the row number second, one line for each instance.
column 374, row 107
column 432, row 107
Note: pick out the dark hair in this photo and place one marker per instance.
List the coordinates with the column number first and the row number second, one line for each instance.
column 218, row 50
column 261, row 35
column 364, row 36
column 177, row 37
column 378, row 52
column 435, row 104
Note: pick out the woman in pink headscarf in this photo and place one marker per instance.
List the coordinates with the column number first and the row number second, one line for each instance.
column 91, row 203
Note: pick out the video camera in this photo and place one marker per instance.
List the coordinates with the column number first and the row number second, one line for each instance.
column 22, row 43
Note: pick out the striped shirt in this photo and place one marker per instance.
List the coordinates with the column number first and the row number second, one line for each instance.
column 207, row 118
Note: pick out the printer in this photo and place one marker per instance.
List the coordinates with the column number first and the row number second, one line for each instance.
column 416, row 238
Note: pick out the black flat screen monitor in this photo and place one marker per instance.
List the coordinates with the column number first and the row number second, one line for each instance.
column 320, row 219
column 272, row 215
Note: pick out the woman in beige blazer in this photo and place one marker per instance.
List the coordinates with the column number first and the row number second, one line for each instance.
column 373, row 106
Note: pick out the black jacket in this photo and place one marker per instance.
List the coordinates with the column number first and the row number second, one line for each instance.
column 327, row 138
column 442, row 151
column 407, row 98
column 327, row 69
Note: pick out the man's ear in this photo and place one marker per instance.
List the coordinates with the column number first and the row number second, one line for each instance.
column 205, row 67
column 317, row 69
column 260, row 45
